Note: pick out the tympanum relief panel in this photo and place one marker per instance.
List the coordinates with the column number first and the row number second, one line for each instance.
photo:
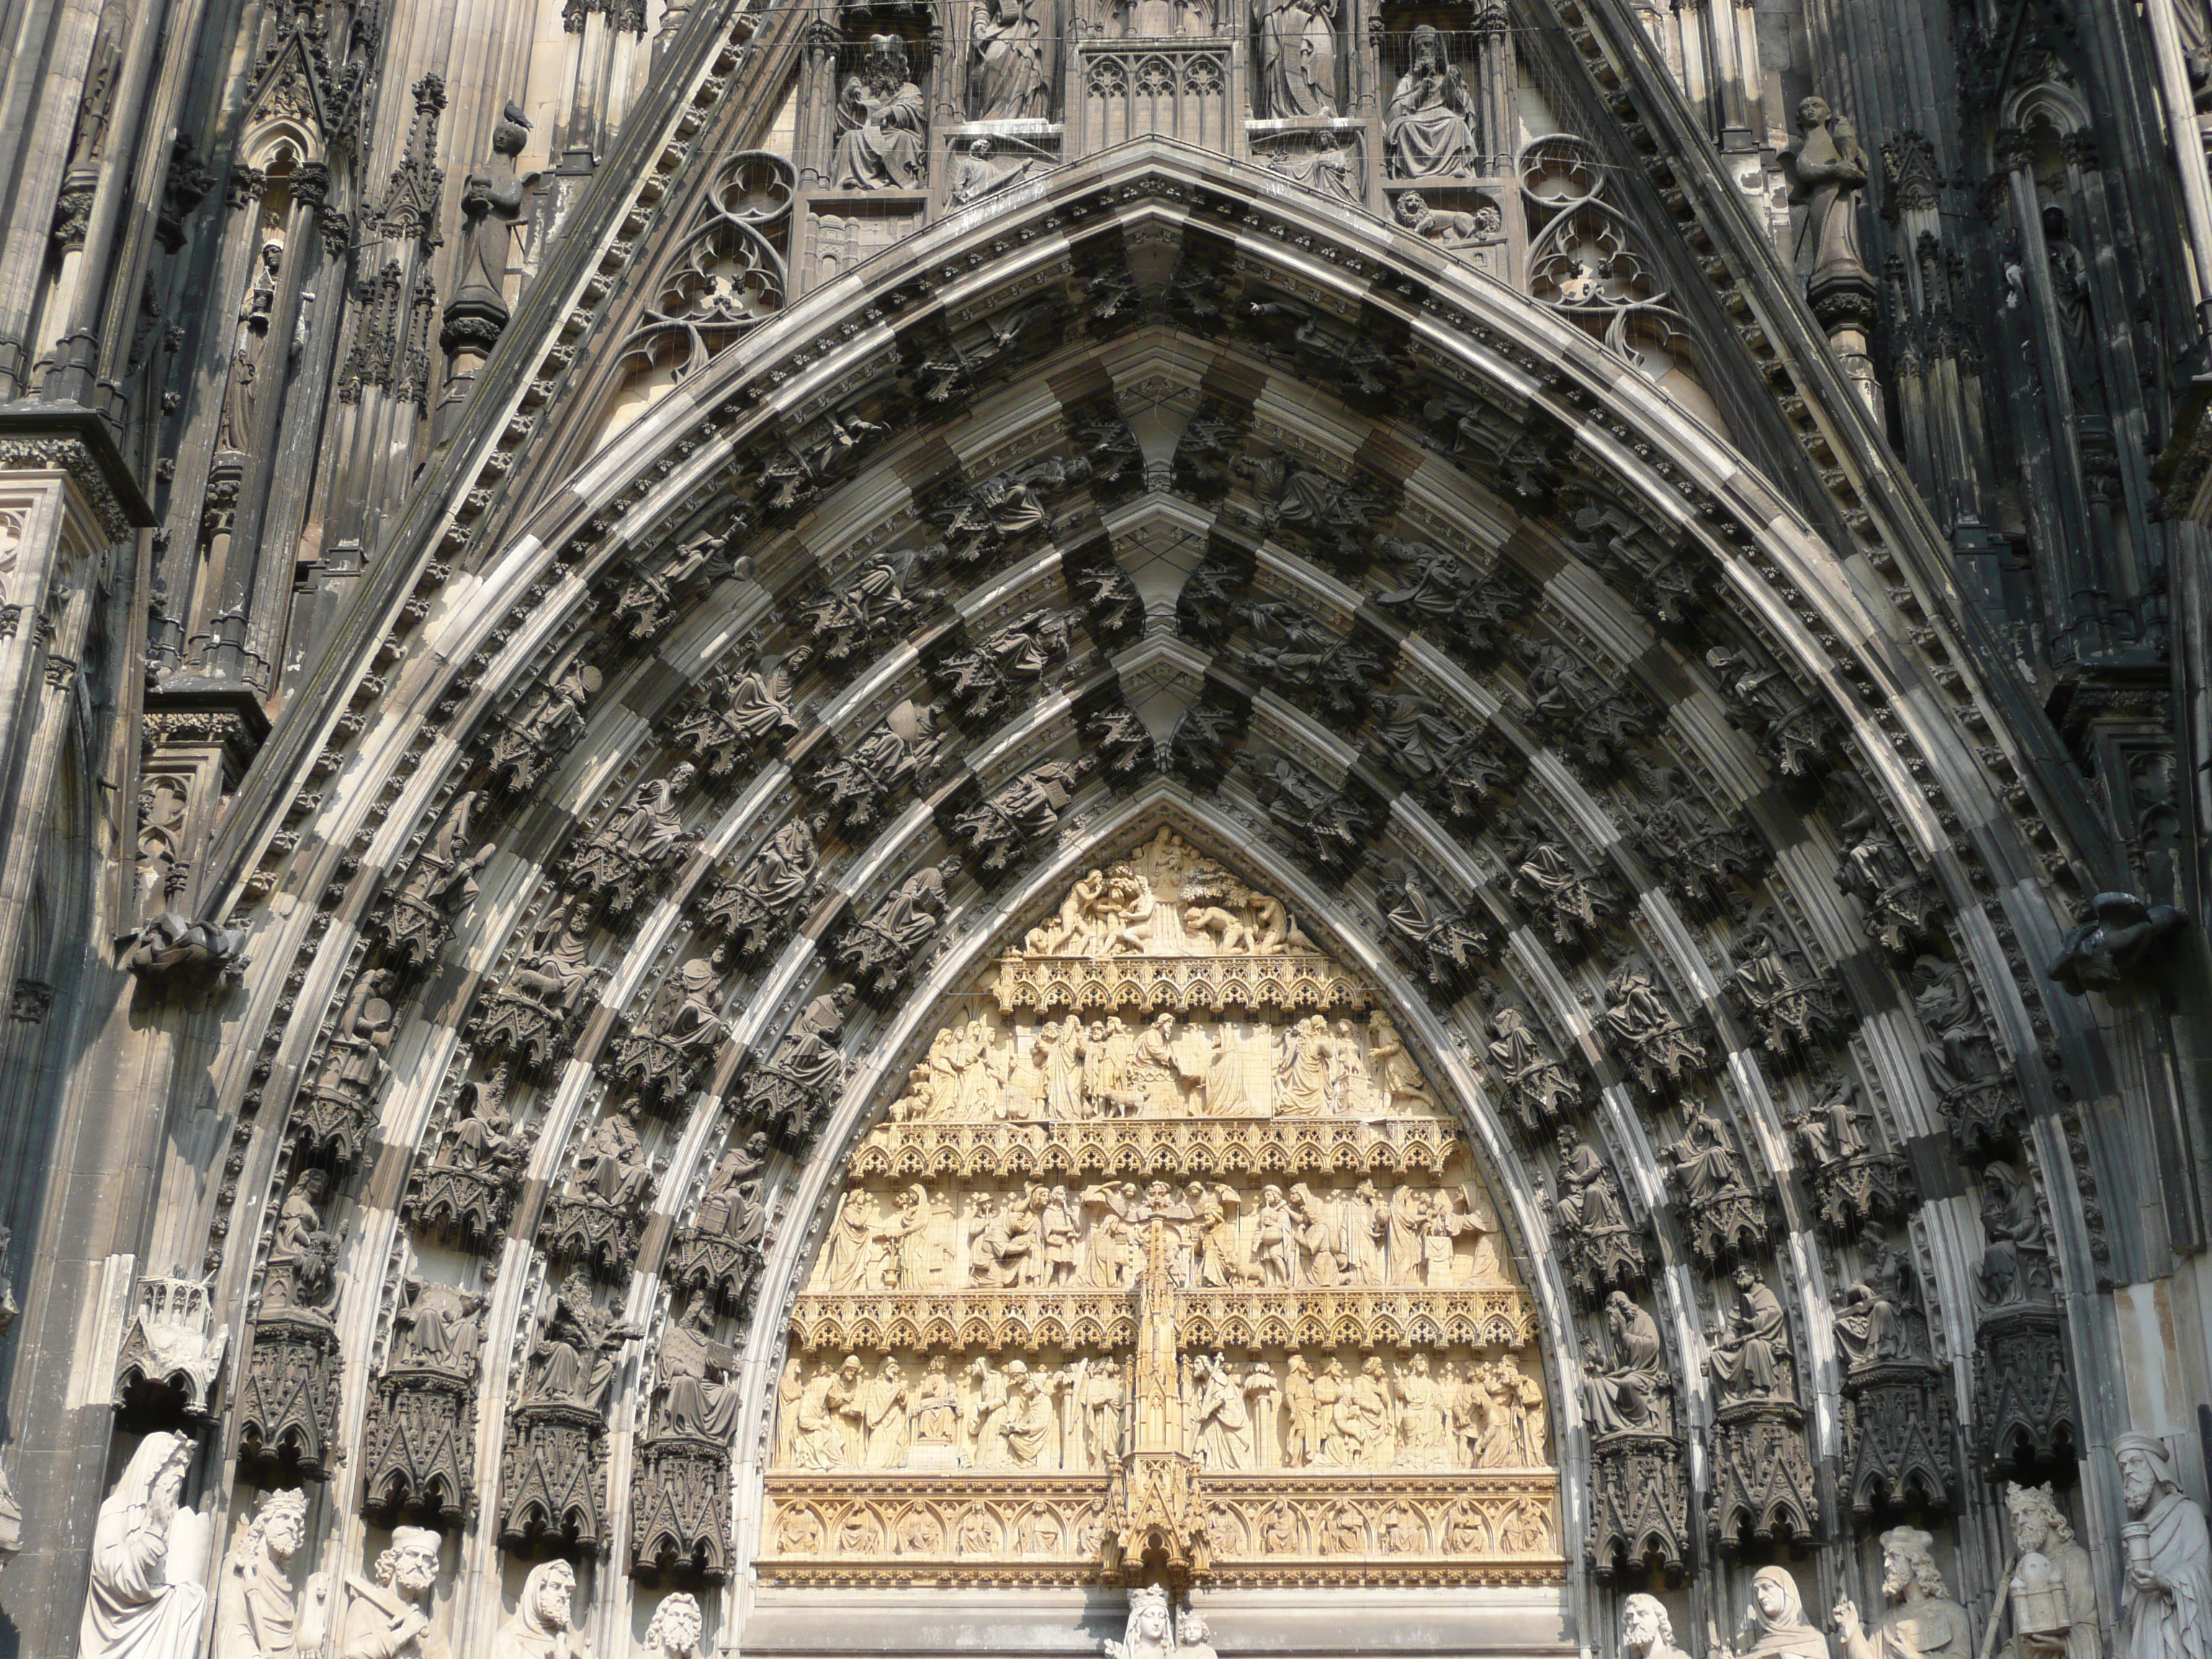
column 1169, row 1125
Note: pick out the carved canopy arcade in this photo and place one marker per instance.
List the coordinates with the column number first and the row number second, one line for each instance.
column 1166, row 1259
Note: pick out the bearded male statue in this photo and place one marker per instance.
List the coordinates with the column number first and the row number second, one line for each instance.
column 1922, row 1621
column 1647, row 1630
column 2167, row 1606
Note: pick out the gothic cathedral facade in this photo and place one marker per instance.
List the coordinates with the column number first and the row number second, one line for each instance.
column 1037, row 829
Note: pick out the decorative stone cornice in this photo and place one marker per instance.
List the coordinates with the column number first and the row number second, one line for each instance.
column 68, row 438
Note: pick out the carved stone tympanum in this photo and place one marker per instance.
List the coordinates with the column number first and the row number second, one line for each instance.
column 1209, row 1356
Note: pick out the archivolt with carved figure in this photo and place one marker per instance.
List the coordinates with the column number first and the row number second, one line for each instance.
column 1269, row 1202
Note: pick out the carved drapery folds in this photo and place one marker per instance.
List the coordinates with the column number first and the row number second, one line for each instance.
column 1762, row 1477
column 1980, row 1102
column 553, row 1466
column 1828, row 170
column 1329, row 826
column 1701, row 860
column 886, row 947
column 1639, row 1492
column 1587, row 717
column 491, row 203
column 1899, row 901
column 680, row 1487
column 1898, row 1424
column 860, row 612
column 1723, row 1215
column 528, row 746
column 1537, row 1086
column 531, row 1013
column 469, row 1189
column 1466, row 609
column 334, row 1115
column 1444, row 943
column 1020, row 816
column 648, row 600
column 288, row 1399
column 1300, row 660
column 1792, row 1007
column 437, row 891
column 669, row 1049
column 1643, row 1032
column 858, row 787
column 986, row 682
column 1604, row 1253
column 1552, row 882
column 759, row 906
column 172, row 949
column 983, row 523
column 618, row 862
column 596, row 1217
column 1852, row 1181
column 795, row 1087
column 737, row 712
column 418, row 1447
column 1457, row 773
column 2023, row 1389
column 719, row 1252
column 1794, row 731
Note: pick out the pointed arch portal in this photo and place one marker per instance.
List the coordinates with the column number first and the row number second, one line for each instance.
column 671, row 795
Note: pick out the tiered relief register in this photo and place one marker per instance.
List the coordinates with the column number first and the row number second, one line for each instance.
column 1171, row 1253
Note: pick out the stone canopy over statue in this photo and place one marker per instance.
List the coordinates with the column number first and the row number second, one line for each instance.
column 1080, row 1270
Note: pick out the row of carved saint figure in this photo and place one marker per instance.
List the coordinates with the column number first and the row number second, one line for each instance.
column 1321, row 1413
column 1066, row 1071
column 149, row 1598
column 1056, row 1237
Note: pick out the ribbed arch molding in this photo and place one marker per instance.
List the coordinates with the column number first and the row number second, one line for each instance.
column 461, row 659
